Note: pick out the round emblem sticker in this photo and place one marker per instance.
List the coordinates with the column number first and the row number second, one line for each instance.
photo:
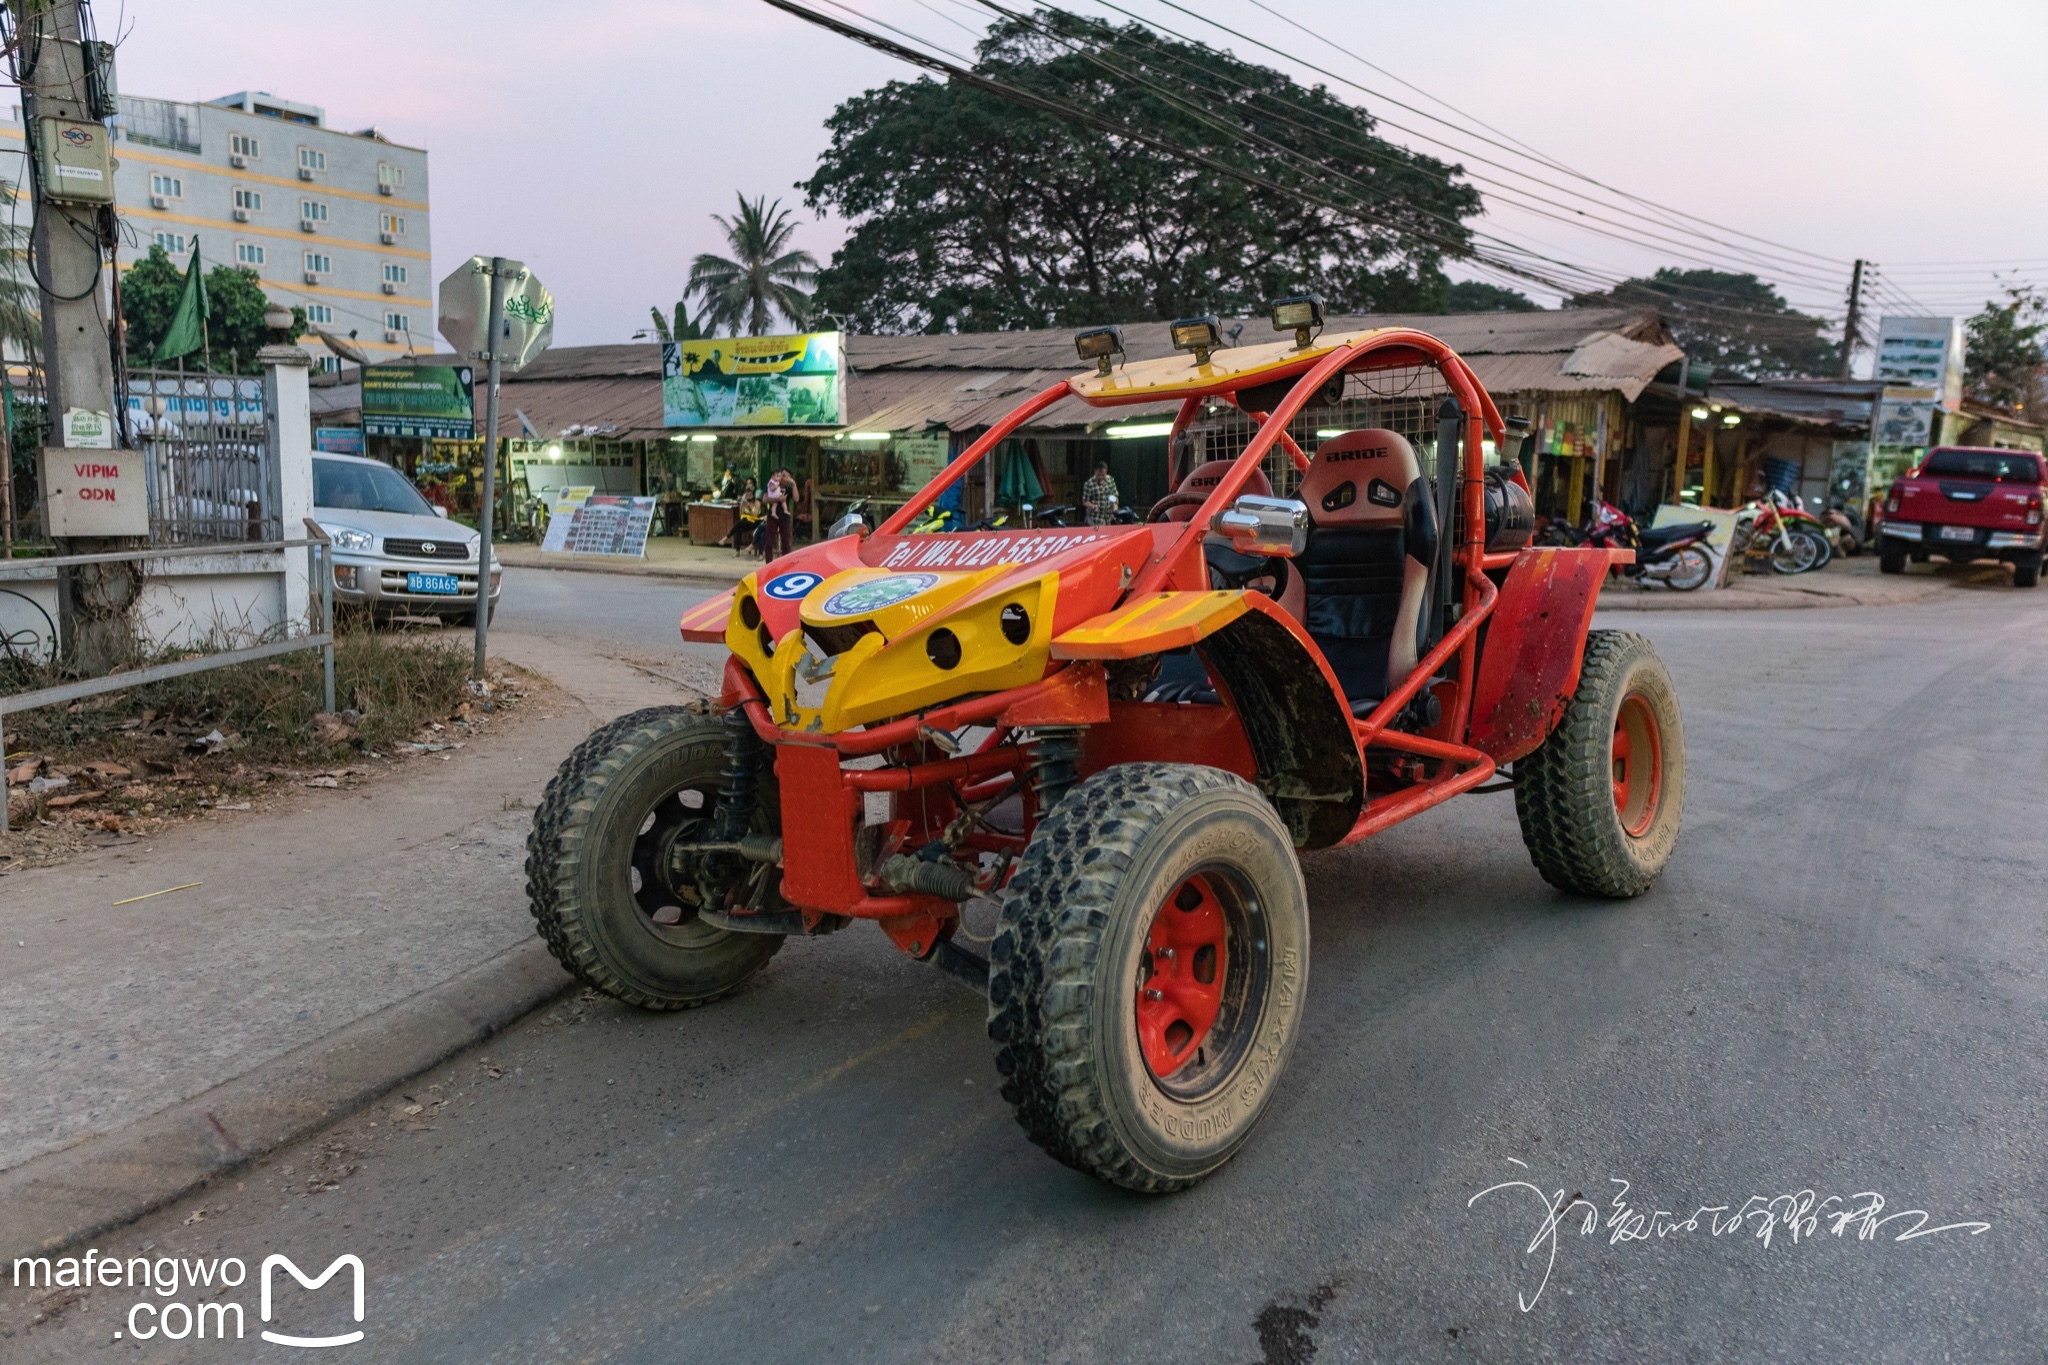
column 789, row 587
column 876, row 593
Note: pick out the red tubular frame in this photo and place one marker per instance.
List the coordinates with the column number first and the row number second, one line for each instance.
column 993, row 767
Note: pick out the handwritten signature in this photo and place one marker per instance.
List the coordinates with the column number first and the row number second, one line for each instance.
column 1798, row 1217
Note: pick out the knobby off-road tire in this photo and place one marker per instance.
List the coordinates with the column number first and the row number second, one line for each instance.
column 1600, row 801
column 1095, row 893
column 651, row 773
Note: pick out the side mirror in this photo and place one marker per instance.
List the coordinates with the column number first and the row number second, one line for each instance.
column 1266, row 526
column 439, row 510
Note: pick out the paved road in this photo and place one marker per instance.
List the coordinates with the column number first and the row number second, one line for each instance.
column 1837, row 988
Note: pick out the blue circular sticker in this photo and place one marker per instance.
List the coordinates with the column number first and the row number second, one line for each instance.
column 789, row 587
column 877, row 593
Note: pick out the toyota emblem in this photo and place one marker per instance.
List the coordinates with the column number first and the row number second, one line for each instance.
column 427, row 548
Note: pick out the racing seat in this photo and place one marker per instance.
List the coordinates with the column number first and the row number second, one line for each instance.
column 1181, row 676
column 1365, row 570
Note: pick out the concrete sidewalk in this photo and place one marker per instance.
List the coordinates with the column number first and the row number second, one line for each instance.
column 146, row 1048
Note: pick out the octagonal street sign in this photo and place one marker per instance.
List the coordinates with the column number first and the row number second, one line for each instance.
column 529, row 322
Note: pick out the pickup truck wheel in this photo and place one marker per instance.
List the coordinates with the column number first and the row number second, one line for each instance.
column 1146, row 983
column 1891, row 556
column 595, row 861
column 2026, row 572
column 1599, row 801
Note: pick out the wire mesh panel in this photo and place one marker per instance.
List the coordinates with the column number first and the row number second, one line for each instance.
column 210, row 476
column 1404, row 399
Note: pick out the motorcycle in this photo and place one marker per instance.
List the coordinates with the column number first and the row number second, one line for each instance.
column 852, row 521
column 1776, row 529
column 1676, row 556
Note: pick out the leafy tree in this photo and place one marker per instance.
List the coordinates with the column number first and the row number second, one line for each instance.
column 2004, row 361
column 763, row 277
column 971, row 212
column 686, row 328
column 235, row 329
column 1477, row 296
column 1738, row 324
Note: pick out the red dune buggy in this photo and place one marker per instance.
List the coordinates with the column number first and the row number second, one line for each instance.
column 1126, row 735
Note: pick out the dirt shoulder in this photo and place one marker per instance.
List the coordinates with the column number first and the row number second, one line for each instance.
column 1851, row 582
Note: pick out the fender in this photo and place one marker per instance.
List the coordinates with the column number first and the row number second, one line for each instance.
column 1151, row 623
column 1527, row 670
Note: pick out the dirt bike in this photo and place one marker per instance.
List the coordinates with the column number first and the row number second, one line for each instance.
column 1789, row 538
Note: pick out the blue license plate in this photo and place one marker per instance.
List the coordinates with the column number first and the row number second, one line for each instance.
column 444, row 584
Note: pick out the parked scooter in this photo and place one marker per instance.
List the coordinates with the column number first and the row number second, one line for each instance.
column 852, row 521
column 1676, row 556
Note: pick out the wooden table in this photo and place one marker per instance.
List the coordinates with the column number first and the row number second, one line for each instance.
column 711, row 523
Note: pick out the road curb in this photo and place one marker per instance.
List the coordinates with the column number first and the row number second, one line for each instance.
column 699, row 579
column 52, row 1201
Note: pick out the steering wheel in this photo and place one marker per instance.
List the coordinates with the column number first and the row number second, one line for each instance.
column 1229, row 569
column 1172, row 500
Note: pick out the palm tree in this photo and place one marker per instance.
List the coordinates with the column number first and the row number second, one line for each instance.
column 763, row 278
column 21, row 320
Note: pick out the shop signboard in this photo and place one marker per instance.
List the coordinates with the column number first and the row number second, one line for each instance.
column 338, row 440
column 419, row 400
column 1923, row 353
column 1905, row 416
column 782, row 381
column 923, row 455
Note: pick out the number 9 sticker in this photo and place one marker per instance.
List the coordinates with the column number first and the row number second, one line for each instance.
column 791, row 586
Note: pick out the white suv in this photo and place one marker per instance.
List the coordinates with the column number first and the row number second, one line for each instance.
column 394, row 552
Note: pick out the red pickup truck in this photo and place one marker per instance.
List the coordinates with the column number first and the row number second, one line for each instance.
column 1965, row 503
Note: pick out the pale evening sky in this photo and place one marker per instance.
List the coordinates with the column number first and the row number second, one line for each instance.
column 594, row 140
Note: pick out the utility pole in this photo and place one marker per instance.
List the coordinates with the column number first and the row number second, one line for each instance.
column 486, row 506
column 66, row 93
column 1854, row 325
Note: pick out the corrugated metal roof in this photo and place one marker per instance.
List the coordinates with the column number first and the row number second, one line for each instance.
column 1841, row 404
column 1560, row 330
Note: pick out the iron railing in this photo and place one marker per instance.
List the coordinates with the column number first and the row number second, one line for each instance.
column 210, row 478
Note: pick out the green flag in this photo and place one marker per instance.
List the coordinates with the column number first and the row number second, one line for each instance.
column 187, row 332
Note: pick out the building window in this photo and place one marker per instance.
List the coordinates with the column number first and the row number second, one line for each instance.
column 248, row 253
column 172, row 242
column 393, row 223
column 327, row 364
column 398, row 322
column 169, row 186
column 241, row 144
column 312, row 160
column 394, row 274
column 319, row 262
column 388, row 174
column 320, row 313
column 313, row 210
column 250, row 200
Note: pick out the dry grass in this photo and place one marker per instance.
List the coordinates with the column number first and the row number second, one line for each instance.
column 131, row 760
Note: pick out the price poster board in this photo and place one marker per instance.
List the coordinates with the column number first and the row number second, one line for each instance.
column 604, row 524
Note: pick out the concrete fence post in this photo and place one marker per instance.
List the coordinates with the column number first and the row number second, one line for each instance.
column 288, row 416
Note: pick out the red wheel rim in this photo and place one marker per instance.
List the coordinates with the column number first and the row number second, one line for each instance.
column 1180, row 977
column 1638, row 766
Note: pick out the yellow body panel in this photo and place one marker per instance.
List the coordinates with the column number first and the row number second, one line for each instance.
column 889, row 670
column 1178, row 374
column 1146, row 625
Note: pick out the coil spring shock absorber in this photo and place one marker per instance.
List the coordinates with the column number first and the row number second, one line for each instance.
column 1055, row 764
column 734, row 813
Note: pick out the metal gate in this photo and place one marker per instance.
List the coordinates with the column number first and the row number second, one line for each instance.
column 210, row 473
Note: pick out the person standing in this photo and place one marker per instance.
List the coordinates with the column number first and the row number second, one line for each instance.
column 781, row 488
column 1099, row 496
column 749, row 520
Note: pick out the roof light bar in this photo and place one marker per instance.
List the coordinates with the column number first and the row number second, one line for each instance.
column 1301, row 314
column 1200, row 335
column 1099, row 344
